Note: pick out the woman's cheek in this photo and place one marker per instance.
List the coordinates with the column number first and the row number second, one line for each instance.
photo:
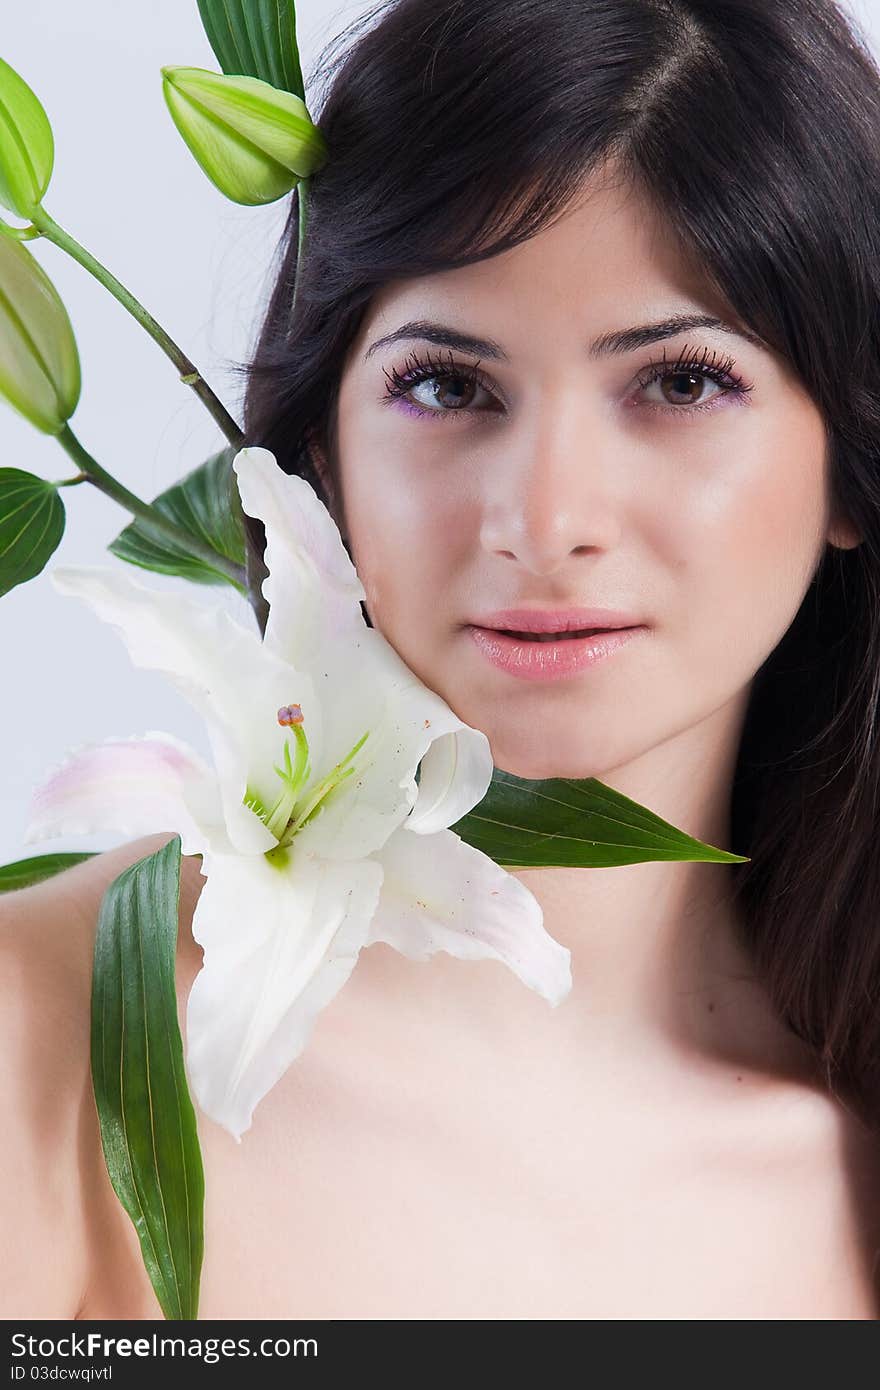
column 390, row 538
column 751, row 563
column 776, row 532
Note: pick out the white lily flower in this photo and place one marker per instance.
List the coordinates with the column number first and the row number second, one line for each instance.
column 311, row 849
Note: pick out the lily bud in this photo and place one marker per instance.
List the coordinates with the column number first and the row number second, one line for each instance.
column 39, row 362
column 27, row 148
column 254, row 141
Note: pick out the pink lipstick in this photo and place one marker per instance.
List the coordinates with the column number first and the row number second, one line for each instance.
column 550, row 644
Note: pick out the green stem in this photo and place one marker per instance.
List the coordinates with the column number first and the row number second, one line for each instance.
column 155, row 519
column 189, row 374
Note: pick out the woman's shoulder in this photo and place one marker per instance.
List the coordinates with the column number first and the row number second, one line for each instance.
column 47, row 932
column 54, row 1189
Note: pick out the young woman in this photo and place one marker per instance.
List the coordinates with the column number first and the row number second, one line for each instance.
column 588, row 318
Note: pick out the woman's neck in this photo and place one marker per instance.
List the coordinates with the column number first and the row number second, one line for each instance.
column 660, row 971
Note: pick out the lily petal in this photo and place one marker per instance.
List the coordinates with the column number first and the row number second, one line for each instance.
column 441, row 894
column 456, row 771
column 278, row 944
column 312, row 587
column 223, row 670
column 136, row 786
column 412, row 724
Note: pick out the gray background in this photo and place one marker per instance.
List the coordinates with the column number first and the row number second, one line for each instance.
column 127, row 188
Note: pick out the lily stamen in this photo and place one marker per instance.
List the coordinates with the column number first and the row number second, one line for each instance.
column 293, row 775
column 284, row 818
column 291, row 716
column 320, row 793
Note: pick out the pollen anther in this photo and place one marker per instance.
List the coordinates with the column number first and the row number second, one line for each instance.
column 290, row 714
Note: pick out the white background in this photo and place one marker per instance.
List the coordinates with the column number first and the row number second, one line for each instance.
column 126, row 187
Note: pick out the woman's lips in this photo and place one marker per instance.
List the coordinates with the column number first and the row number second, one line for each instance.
column 536, row 659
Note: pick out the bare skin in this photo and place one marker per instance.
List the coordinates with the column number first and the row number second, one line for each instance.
column 448, row 1146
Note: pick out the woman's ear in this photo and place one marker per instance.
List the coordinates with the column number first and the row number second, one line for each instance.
column 843, row 535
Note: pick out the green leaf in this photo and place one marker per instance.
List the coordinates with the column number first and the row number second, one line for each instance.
column 25, row 872
column 559, row 822
column 207, row 505
column 27, row 147
column 31, row 526
column 255, row 38
column 148, row 1124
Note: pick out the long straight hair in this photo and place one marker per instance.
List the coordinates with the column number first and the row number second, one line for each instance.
column 460, row 128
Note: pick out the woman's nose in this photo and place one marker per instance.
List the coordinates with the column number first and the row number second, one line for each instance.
column 555, row 494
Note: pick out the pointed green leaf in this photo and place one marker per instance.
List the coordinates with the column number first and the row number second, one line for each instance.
column 558, row 822
column 148, row 1124
column 31, row 526
column 27, row 147
column 255, row 38
column 207, row 505
column 26, row 872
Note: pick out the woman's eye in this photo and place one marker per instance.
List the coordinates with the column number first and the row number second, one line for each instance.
column 450, row 392
column 682, row 388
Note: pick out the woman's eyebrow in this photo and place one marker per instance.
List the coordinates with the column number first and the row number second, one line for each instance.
column 627, row 339
column 607, row 344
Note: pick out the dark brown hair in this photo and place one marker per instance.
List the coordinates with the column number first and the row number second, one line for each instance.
column 457, row 130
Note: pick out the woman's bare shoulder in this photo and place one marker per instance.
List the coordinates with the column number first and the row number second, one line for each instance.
column 47, row 932
column 52, row 1141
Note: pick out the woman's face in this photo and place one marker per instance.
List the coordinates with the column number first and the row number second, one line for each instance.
column 564, row 477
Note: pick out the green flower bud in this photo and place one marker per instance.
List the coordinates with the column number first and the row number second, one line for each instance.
column 39, row 362
column 27, row 149
column 254, row 141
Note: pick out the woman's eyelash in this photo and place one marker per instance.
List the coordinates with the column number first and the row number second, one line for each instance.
column 708, row 364
column 428, row 366
column 418, row 368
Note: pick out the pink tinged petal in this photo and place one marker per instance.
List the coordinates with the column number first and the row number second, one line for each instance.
column 225, row 672
column 278, row 946
column 136, row 786
column 312, row 588
column 441, row 894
